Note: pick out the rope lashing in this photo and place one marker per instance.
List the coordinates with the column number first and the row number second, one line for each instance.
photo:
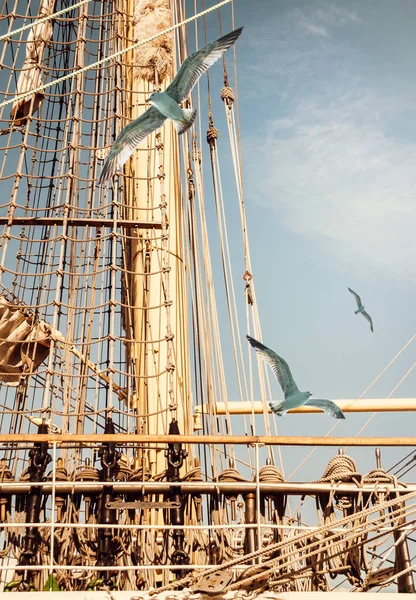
column 247, row 290
column 380, row 476
column 212, row 133
column 197, row 152
column 227, row 95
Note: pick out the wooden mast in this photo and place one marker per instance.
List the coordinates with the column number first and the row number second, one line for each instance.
column 155, row 284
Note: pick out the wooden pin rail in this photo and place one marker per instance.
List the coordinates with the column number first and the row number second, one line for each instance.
column 135, row 438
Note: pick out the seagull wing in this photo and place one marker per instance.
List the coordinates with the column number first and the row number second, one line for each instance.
column 197, row 64
column 369, row 319
column 279, row 366
column 327, row 406
column 357, row 298
column 128, row 140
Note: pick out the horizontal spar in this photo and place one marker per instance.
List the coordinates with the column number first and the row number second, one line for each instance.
column 346, row 405
column 80, row 222
column 138, row 438
column 198, row 487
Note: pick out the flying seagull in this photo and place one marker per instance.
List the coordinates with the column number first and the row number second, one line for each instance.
column 361, row 309
column 166, row 104
column 293, row 396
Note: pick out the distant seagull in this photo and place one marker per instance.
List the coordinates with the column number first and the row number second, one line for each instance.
column 166, row 104
column 361, row 309
column 293, row 396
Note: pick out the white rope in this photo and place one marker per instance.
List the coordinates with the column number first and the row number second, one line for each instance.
column 389, row 396
column 327, row 529
column 115, row 55
column 6, row 36
column 362, row 395
column 252, row 311
column 211, row 348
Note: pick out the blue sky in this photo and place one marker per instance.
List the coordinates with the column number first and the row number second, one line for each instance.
column 339, row 130
column 326, row 93
column 326, row 97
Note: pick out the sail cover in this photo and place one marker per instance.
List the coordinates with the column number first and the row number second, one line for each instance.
column 24, row 343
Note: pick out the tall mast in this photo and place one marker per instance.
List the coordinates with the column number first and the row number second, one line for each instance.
column 154, row 257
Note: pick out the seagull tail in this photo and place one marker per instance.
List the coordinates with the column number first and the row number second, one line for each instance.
column 189, row 115
column 276, row 407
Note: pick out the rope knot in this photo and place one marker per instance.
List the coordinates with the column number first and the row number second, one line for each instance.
column 159, row 143
column 377, row 477
column 212, row 133
column 249, row 294
column 227, row 95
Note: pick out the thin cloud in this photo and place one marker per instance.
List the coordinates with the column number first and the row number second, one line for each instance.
column 336, row 15
column 337, row 159
column 333, row 174
column 315, row 29
column 318, row 22
column 310, row 23
column 286, row 52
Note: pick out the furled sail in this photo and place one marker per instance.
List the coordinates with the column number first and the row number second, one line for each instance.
column 24, row 342
column 30, row 77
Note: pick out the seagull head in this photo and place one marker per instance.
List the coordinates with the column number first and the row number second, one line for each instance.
column 309, row 394
column 153, row 96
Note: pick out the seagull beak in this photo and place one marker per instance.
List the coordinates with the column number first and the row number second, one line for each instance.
column 148, row 100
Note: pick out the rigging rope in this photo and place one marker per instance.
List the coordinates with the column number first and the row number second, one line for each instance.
column 387, row 397
column 8, row 35
column 112, row 56
column 307, row 457
column 308, row 547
